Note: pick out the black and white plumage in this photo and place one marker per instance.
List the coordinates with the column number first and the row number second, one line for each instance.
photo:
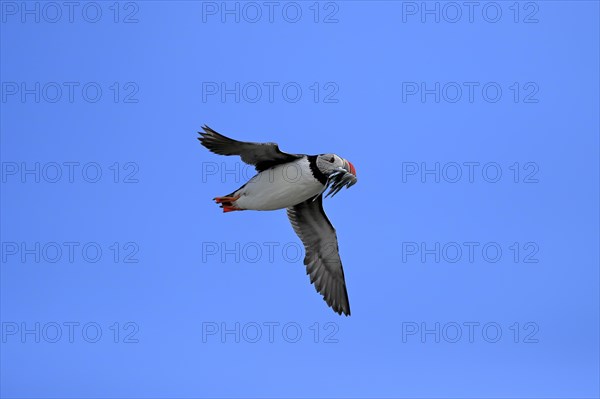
column 273, row 188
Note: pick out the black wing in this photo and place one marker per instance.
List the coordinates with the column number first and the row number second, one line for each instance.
column 262, row 155
column 322, row 260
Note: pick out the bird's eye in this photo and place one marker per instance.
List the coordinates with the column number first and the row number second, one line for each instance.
column 332, row 159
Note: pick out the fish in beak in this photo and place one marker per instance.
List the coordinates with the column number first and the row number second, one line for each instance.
column 342, row 177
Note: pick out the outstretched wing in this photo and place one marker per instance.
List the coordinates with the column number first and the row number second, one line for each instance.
column 322, row 259
column 261, row 155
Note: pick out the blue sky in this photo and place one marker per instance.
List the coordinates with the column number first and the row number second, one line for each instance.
column 469, row 244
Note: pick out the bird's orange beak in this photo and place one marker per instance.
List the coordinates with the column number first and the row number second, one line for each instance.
column 349, row 167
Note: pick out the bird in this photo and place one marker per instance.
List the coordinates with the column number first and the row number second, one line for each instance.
column 297, row 183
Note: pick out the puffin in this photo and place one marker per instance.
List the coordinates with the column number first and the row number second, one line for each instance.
column 297, row 183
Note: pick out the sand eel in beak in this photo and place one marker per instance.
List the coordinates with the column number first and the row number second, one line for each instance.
column 295, row 182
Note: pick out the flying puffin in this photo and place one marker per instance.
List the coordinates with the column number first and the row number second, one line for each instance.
column 295, row 182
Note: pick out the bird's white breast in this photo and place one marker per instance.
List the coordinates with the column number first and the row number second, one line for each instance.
column 279, row 187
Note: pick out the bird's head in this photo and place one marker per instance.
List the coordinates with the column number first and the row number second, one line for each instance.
column 330, row 163
column 339, row 171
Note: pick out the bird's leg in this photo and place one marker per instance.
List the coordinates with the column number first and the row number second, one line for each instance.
column 221, row 200
column 227, row 208
column 227, row 203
